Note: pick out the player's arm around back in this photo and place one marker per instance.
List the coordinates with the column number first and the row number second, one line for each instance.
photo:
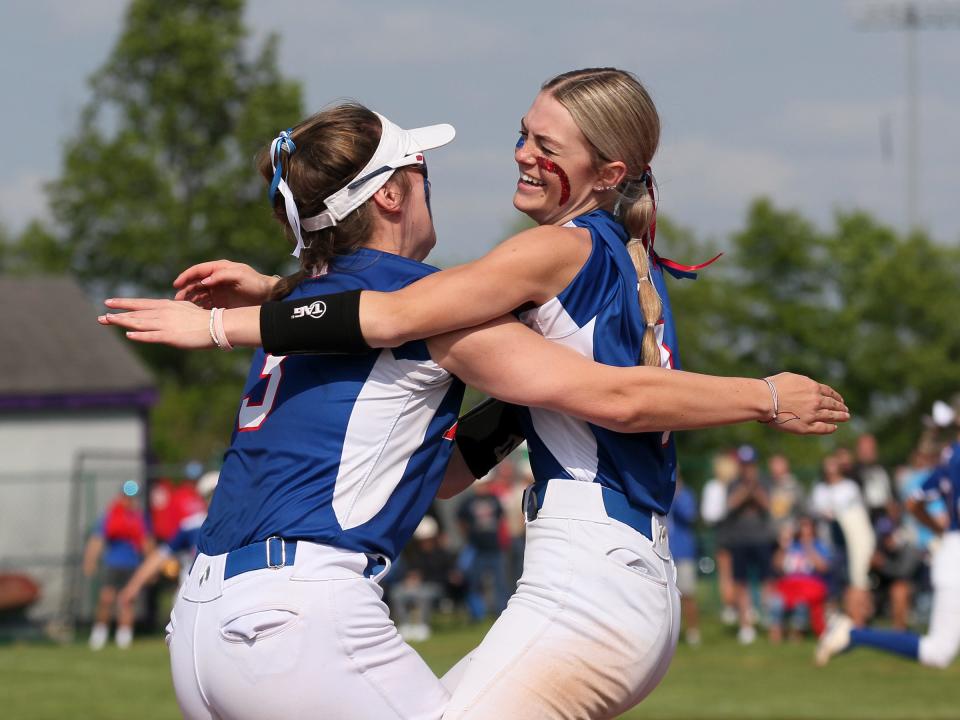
column 530, row 267
column 507, row 360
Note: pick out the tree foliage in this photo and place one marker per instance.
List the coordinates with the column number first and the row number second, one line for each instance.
column 160, row 172
column 160, row 175
column 859, row 307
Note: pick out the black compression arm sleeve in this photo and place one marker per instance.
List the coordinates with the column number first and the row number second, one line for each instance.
column 487, row 434
column 322, row 324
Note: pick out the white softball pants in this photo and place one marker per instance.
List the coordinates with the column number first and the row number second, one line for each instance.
column 592, row 626
column 311, row 640
column 940, row 645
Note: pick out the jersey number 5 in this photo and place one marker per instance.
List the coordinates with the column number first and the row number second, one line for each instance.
column 253, row 414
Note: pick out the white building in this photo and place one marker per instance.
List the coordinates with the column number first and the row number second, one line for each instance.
column 74, row 402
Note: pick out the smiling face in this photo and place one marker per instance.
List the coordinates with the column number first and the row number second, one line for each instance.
column 559, row 173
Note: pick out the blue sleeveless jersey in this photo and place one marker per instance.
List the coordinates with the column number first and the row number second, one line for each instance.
column 598, row 314
column 343, row 450
column 944, row 484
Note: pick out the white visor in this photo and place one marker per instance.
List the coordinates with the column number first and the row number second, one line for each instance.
column 943, row 415
column 397, row 148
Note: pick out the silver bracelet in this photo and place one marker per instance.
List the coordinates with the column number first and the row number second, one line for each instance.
column 776, row 400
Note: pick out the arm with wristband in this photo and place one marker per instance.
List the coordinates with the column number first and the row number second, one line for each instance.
column 541, row 373
column 505, row 359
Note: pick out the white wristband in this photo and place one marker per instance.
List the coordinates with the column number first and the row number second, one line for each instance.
column 213, row 335
column 217, row 332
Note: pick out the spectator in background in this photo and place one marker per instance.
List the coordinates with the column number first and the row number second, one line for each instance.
column 923, row 462
column 713, row 510
column 482, row 558
column 117, row 543
column 786, row 495
column 181, row 548
column 896, row 564
column 838, row 500
column 845, row 461
column 748, row 509
column 803, row 562
column 428, row 577
column 681, row 528
column 873, row 479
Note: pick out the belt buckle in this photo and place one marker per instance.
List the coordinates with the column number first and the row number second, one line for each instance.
column 283, row 553
column 530, row 509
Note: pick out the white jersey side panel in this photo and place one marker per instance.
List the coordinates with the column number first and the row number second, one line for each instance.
column 387, row 425
column 568, row 439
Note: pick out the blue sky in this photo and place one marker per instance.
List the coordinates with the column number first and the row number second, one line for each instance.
column 781, row 98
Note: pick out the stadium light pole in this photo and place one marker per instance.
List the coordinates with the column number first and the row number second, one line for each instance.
column 910, row 17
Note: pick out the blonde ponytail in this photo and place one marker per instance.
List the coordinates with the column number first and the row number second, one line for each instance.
column 637, row 218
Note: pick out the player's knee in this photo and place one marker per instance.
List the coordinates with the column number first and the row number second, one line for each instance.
column 937, row 653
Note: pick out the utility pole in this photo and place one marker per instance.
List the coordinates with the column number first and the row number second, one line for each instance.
column 911, row 17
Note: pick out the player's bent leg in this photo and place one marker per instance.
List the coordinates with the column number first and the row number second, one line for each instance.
column 588, row 634
column 940, row 645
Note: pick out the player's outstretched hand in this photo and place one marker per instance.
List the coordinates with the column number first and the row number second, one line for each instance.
column 170, row 322
column 806, row 406
column 223, row 283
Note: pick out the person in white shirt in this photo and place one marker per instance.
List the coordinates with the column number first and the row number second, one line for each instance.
column 713, row 510
column 837, row 499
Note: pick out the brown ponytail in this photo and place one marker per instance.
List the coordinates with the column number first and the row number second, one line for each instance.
column 332, row 147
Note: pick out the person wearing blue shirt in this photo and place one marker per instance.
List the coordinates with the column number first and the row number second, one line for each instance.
column 803, row 562
column 117, row 544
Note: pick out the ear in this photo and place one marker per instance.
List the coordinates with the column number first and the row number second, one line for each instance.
column 389, row 198
column 612, row 173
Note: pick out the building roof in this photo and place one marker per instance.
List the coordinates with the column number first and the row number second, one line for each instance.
column 53, row 347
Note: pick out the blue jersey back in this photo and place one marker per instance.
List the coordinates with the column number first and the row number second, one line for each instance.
column 944, row 484
column 598, row 314
column 342, row 450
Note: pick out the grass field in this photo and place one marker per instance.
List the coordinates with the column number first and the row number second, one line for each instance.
column 719, row 679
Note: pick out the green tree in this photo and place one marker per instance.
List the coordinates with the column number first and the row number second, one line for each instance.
column 160, row 172
column 160, row 175
column 859, row 307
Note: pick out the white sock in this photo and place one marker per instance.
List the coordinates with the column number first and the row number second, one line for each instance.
column 98, row 636
column 124, row 637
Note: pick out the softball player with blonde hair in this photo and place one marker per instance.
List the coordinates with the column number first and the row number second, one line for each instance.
column 592, row 626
